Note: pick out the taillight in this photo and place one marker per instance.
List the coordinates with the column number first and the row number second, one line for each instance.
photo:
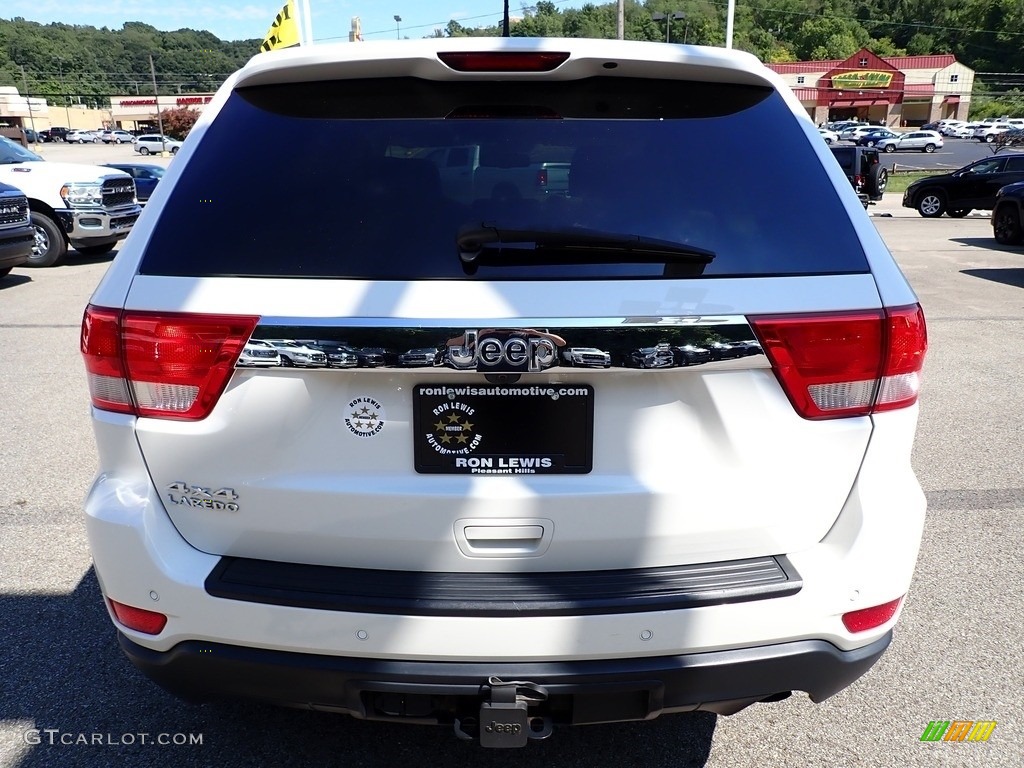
column 542, row 177
column 104, row 365
column 869, row 618
column 139, row 619
column 503, row 61
column 849, row 363
column 164, row 365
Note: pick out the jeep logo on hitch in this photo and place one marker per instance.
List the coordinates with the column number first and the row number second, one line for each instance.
column 511, row 729
column 504, row 351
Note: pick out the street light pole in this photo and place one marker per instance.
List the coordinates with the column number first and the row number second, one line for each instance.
column 668, row 18
column 730, row 15
column 398, row 27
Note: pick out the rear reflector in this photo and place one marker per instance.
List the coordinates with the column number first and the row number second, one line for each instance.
column 504, row 61
column 869, row 618
column 849, row 363
column 139, row 619
column 164, row 365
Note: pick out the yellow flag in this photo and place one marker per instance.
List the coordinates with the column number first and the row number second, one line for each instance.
column 284, row 32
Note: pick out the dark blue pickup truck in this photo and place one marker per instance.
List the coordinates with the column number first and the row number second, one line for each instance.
column 16, row 234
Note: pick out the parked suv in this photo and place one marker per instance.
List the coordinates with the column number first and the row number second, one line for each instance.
column 864, row 171
column 55, row 133
column 1008, row 215
column 153, row 144
column 958, row 193
column 116, row 136
column 501, row 543
column 926, row 141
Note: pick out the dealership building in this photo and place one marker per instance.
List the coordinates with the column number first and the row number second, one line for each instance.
column 139, row 112
column 134, row 113
column 894, row 91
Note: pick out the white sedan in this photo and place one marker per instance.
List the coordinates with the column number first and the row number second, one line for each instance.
column 828, row 136
column 926, row 141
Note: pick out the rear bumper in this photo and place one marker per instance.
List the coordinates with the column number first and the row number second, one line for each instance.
column 719, row 657
column 579, row 692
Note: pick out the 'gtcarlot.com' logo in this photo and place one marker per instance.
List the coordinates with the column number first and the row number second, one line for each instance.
column 56, row 737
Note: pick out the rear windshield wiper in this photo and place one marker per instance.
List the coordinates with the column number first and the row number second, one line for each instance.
column 518, row 247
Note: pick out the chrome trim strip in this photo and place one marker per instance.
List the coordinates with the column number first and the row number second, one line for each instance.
column 531, row 345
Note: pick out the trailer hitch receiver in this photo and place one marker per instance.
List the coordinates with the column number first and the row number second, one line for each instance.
column 504, row 720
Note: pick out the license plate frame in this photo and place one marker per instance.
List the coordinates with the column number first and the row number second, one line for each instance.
column 514, row 429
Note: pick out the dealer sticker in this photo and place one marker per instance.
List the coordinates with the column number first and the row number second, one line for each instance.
column 364, row 417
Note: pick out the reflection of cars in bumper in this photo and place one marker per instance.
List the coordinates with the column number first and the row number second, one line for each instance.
column 342, row 360
column 295, row 354
column 418, row 358
column 749, row 347
column 690, row 354
column 378, row 356
column 338, row 355
column 587, row 357
column 650, row 357
column 721, row 350
column 259, row 354
column 369, row 359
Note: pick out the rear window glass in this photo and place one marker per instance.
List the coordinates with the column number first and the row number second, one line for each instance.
column 844, row 156
column 376, row 179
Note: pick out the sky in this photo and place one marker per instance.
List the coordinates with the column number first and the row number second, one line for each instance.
column 249, row 19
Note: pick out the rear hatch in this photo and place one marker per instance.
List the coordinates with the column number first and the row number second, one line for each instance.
column 672, row 234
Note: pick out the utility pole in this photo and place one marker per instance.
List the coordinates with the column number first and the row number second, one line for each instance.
column 505, row 31
column 28, row 103
column 156, row 93
column 63, row 86
column 620, row 20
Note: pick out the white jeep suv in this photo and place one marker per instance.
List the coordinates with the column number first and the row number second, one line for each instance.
column 505, row 542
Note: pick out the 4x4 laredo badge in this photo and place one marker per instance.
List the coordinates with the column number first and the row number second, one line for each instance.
column 196, row 496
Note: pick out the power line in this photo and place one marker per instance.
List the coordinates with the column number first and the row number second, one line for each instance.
column 436, row 24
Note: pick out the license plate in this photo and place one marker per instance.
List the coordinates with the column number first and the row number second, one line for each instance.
column 503, row 430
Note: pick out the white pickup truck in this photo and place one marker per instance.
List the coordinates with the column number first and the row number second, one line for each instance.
column 86, row 207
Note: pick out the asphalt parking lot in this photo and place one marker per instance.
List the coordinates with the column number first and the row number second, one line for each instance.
column 69, row 698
